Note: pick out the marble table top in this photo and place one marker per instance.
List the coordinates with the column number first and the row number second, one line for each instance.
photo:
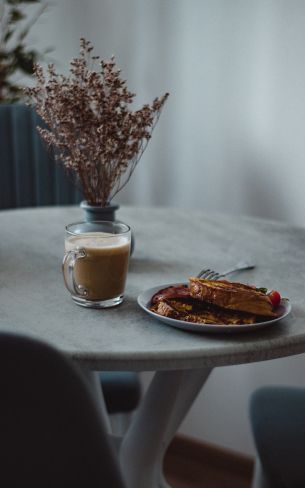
column 170, row 245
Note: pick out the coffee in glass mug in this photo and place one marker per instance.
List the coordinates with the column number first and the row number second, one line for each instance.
column 96, row 262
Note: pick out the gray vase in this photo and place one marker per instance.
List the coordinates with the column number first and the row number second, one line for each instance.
column 95, row 212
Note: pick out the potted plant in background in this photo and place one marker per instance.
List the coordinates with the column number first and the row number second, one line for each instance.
column 97, row 136
column 28, row 174
column 16, row 58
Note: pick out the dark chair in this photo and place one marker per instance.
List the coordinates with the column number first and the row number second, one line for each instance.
column 30, row 177
column 277, row 416
column 52, row 433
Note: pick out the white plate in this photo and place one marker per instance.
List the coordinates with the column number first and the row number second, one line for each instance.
column 144, row 301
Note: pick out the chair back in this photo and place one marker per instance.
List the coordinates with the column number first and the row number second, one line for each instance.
column 51, row 431
column 29, row 174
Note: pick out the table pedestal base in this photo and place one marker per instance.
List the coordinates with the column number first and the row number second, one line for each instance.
column 164, row 406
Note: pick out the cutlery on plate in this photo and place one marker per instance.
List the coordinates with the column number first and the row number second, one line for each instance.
column 209, row 274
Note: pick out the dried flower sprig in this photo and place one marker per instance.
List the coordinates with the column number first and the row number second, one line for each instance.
column 97, row 136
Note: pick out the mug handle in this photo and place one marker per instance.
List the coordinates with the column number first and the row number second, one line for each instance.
column 68, row 264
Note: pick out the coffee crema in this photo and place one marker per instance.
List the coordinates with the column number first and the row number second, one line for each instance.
column 103, row 271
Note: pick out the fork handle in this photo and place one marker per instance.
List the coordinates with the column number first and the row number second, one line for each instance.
column 238, row 267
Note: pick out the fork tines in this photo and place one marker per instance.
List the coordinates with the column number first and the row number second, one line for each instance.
column 208, row 274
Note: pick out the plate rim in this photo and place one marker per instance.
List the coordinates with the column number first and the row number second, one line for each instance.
column 196, row 326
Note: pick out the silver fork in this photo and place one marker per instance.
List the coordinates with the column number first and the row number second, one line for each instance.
column 209, row 274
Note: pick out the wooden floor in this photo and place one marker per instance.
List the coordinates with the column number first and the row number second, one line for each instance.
column 192, row 464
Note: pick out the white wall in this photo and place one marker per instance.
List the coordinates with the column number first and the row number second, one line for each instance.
column 231, row 138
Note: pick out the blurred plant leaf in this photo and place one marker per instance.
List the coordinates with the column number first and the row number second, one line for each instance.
column 25, row 59
column 8, row 35
column 15, row 56
column 15, row 16
column 19, row 2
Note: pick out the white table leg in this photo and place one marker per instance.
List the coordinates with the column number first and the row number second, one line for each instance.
column 168, row 399
column 94, row 382
column 259, row 480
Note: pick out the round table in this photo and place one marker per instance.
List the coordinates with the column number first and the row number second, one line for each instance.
column 170, row 246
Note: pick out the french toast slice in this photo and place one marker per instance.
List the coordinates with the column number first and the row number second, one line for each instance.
column 232, row 296
column 176, row 302
column 196, row 311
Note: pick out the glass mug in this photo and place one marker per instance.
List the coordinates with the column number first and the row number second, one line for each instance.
column 96, row 261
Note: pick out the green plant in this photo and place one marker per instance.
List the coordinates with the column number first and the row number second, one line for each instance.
column 16, row 20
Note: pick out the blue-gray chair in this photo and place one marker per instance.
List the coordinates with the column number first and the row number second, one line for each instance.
column 277, row 416
column 52, row 433
column 30, row 177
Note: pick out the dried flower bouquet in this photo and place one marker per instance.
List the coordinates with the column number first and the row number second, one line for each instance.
column 97, row 136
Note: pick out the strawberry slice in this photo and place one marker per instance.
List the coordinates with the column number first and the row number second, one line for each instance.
column 275, row 298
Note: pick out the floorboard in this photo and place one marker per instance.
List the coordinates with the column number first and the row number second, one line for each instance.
column 193, row 464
